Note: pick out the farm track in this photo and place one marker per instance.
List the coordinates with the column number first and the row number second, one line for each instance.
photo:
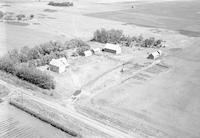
column 105, row 73
column 134, row 75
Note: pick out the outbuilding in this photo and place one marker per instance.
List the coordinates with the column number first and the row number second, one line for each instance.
column 155, row 55
column 96, row 51
column 112, row 48
column 58, row 65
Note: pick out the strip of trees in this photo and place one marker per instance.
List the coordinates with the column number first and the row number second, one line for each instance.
column 22, row 63
column 117, row 37
column 61, row 4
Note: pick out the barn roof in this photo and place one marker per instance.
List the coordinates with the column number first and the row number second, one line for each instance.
column 115, row 47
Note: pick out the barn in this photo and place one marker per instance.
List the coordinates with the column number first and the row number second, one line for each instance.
column 58, row 65
column 112, row 48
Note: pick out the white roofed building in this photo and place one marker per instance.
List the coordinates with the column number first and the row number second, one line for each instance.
column 87, row 53
column 96, row 50
column 58, row 65
column 155, row 55
column 112, row 48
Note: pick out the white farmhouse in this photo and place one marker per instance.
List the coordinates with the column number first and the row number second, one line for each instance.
column 112, row 48
column 58, row 65
column 87, row 53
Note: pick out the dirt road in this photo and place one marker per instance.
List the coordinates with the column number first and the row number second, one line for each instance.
column 113, row 132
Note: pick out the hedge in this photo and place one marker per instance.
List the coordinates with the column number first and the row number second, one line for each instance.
column 28, row 74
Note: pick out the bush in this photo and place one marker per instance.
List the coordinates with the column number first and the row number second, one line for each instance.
column 74, row 43
column 81, row 50
column 114, row 36
column 61, row 4
column 49, row 10
column 13, row 55
column 31, row 16
column 24, row 54
column 34, row 53
column 7, row 65
column 152, row 42
column 20, row 16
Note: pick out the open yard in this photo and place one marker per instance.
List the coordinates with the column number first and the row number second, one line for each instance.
column 89, row 73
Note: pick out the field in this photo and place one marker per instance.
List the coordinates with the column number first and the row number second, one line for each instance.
column 178, row 16
column 12, row 36
column 64, row 23
column 18, row 124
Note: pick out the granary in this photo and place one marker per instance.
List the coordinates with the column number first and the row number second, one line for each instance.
column 96, row 50
column 112, row 48
column 155, row 55
column 87, row 53
column 58, row 65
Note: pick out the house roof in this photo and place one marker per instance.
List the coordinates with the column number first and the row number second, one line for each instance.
column 59, row 62
column 115, row 47
column 88, row 52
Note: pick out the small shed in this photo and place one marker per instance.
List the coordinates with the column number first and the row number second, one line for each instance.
column 112, row 48
column 155, row 55
column 58, row 65
column 87, row 53
column 96, row 51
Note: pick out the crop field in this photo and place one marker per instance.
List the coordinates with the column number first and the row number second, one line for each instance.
column 182, row 16
column 66, row 123
column 17, row 124
column 12, row 36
